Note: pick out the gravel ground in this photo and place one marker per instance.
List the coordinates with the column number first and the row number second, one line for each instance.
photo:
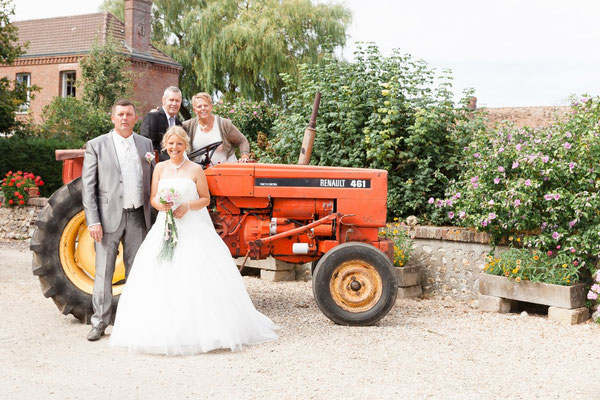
column 430, row 348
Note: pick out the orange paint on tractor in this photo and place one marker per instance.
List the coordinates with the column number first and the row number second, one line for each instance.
column 258, row 201
column 254, row 202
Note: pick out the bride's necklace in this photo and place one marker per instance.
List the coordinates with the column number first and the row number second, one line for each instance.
column 176, row 167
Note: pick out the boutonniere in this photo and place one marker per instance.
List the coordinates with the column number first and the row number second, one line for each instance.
column 149, row 157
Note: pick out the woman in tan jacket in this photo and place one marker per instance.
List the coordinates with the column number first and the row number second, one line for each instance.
column 207, row 128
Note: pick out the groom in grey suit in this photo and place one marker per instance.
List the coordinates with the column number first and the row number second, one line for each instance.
column 116, row 179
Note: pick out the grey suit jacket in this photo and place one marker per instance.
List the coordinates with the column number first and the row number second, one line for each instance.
column 103, row 182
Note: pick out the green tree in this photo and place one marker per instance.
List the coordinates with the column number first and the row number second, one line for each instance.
column 115, row 7
column 105, row 79
column 70, row 117
column 104, row 74
column 12, row 94
column 242, row 46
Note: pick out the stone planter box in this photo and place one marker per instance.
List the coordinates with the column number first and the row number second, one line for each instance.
column 568, row 297
column 409, row 282
column 33, row 191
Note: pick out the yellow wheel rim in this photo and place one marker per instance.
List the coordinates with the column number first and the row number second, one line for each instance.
column 77, row 256
column 355, row 286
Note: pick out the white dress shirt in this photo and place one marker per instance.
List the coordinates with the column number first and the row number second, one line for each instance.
column 131, row 170
column 170, row 120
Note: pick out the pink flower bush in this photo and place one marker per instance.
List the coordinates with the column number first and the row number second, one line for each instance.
column 543, row 182
column 595, row 289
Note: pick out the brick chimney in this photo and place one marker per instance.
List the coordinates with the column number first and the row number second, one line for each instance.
column 138, row 25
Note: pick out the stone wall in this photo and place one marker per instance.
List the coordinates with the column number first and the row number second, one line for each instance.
column 533, row 117
column 18, row 223
column 449, row 260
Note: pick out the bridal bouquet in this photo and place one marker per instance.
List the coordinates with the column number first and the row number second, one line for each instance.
column 168, row 195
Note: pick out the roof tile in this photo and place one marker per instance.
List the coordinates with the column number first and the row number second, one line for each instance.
column 76, row 35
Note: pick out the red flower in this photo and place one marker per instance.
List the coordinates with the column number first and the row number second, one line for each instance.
column 19, row 172
column 12, row 180
column 16, row 193
column 10, row 184
column 18, row 184
column 41, row 183
column 9, row 173
column 21, row 202
column 10, row 201
column 20, row 196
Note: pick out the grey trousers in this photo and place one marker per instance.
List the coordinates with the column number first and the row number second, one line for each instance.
column 132, row 231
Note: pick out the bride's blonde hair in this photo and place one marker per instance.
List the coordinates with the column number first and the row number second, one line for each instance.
column 180, row 133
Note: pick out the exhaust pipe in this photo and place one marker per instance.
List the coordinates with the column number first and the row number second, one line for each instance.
column 309, row 133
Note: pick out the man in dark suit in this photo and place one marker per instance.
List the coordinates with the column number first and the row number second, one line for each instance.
column 156, row 123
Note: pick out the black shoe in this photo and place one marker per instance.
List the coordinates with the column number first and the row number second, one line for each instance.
column 95, row 334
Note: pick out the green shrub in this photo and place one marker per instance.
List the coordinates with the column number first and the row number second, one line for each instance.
column 378, row 112
column 250, row 117
column 35, row 155
column 522, row 264
column 541, row 184
column 73, row 118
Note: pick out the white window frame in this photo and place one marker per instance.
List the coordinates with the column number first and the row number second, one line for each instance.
column 67, row 77
column 24, row 77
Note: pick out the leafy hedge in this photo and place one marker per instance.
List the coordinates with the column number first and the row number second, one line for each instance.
column 250, row 117
column 379, row 112
column 538, row 187
column 70, row 117
column 35, row 155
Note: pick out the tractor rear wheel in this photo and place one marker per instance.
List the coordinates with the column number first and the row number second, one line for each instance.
column 355, row 284
column 64, row 254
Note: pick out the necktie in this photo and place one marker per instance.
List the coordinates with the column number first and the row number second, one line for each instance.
column 171, row 121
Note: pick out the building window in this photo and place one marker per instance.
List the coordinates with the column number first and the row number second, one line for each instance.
column 24, row 79
column 68, row 83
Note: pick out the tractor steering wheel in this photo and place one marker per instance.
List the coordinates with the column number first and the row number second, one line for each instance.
column 203, row 155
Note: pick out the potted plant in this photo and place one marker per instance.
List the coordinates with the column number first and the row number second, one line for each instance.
column 407, row 276
column 549, row 278
column 19, row 186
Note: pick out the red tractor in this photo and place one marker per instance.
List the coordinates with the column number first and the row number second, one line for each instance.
column 328, row 216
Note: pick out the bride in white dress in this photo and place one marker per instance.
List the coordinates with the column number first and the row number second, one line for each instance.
column 196, row 302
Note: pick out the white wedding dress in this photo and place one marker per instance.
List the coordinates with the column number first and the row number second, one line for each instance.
column 195, row 303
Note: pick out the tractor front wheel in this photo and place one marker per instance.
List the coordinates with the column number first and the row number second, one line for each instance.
column 355, row 284
column 64, row 254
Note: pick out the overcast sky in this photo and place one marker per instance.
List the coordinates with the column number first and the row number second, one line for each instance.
column 512, row 52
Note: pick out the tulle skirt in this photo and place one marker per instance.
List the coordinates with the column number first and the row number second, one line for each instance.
column 195, row 303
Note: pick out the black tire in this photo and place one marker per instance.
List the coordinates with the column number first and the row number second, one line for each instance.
column 336, row 293
column 62, row 207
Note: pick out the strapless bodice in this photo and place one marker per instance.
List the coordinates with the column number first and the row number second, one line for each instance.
column 186, row 187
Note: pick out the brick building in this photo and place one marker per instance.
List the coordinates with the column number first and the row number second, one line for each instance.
column 57, row 45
